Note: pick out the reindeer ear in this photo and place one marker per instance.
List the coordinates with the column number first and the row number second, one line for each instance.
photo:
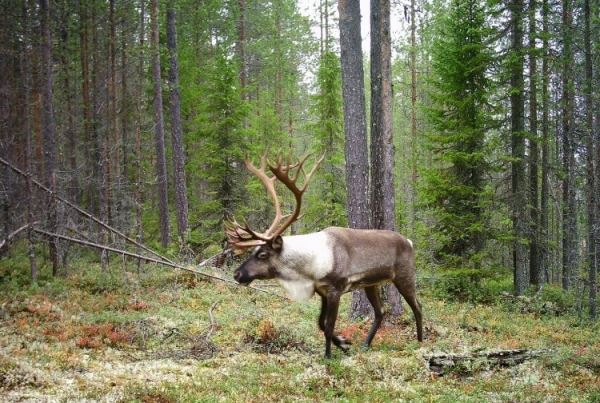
column 277, row 243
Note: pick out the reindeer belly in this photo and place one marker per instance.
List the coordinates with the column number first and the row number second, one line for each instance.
column 370, row 278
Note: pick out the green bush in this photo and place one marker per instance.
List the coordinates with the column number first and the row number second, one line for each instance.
column 471, row 285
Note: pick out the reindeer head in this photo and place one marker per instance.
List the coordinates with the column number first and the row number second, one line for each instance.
column 264, row 261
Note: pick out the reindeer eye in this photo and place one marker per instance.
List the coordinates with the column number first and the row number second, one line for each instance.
column 262, row 255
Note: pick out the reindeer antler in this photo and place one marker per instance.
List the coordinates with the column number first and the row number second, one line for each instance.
column 243, row 237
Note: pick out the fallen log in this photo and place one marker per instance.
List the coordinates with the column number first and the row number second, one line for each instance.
column 443, row 363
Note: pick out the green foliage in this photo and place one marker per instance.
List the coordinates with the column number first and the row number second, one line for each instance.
column 327, row 202
column 550, row 301
column 455, row 188
column 472, row 285
column 225, row 123
column 221, row 142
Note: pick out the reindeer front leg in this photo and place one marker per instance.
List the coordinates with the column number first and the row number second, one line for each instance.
column 337, row 340
column 333, row 302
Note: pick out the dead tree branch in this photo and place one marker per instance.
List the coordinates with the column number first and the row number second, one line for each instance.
column 148, row 259
column 213, row 321
column 83, row 212
column 5, row 243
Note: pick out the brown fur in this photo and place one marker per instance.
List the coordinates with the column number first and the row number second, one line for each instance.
column 361, row 259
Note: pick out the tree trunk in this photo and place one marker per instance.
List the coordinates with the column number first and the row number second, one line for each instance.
column 26, row 71
column 382, row 142
column 413, row 114
column 355, row 129
column 519, row 200
column 592, row 259
column 240, row 46
column 569, row 211
column 544, row 232
column 70, row 134
column 159, row 130
column 101, row 173
column 176, row 131
column 137, row 194
column 113, row 147
column 126, row 117
column 85, row 97
column 125, row 109
column 49, row 129
column 534, row 265
column 596, row 225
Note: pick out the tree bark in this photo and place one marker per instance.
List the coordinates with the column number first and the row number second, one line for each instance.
column 519, row 200
column 240, row 46
column 534, row 265
column 569, row 211
column 355, row 129
column 382, row 144
column 85, row 97
column 113, row 150
column 544, row 232
column 592, row 259
column 70, row 133
column 181, row 200
column 137, row 194
column 159, row 131
column 383, row 206
column 413, row 114
column 26, row 71
column 49, row 129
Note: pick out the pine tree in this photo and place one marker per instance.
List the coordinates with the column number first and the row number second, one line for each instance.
column 355, row 128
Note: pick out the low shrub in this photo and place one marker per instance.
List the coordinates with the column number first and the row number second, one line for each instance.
column 471, row 285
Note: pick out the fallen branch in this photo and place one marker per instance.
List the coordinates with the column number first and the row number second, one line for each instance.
column 82, row 211
column 149, row 259
column 6, row 241
column 442, row 363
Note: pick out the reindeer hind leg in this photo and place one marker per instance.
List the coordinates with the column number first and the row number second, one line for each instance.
column 409, row 292
column 374, row 298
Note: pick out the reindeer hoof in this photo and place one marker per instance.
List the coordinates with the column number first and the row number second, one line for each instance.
column 342, row 343
column 345, row 347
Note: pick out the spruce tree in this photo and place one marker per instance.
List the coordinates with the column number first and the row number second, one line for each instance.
column 221, row 145
column 455, row 187
column 329, row 140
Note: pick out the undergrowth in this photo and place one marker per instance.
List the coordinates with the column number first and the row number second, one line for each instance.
column 155, row 335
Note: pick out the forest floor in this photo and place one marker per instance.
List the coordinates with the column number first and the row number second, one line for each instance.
column 162, row 337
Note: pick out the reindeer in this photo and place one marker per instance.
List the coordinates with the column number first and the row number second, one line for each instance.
column 330, row 262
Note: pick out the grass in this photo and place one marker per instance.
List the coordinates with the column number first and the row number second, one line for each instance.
column 148, row 337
